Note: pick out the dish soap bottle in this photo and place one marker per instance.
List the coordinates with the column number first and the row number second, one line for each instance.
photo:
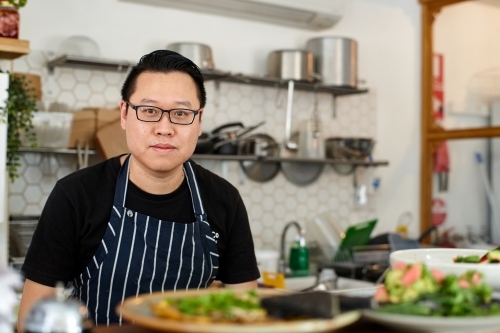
column 299, row 258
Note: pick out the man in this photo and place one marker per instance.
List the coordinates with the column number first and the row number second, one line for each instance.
column 149, row 221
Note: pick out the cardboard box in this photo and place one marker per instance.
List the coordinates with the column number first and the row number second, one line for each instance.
column 83, row 129
column 111, row 140
column 87, row 122
column 106, row 117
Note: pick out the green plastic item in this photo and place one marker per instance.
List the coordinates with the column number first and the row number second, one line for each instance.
column 355, row 235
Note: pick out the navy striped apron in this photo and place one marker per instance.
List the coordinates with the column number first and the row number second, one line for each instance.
column 140, row 254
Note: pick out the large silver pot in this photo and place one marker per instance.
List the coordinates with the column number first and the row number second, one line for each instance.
column 200, row 54
column 335, row 59
column 291, row 65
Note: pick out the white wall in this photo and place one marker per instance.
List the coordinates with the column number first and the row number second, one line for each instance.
column 388, row 35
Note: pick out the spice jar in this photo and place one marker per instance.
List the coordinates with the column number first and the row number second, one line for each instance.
column 9, row 20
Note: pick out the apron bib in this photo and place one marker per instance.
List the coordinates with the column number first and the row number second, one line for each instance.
column 140, row 254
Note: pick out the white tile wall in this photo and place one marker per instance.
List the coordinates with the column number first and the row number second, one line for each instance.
column 271, row 204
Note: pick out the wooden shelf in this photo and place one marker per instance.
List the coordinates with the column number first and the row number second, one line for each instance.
column 11, row 48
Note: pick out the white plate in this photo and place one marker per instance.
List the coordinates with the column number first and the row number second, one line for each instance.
column 416, row 324
column 442, row 260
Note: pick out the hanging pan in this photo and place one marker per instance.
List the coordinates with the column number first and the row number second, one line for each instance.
column 261, row 145
column 302, row 173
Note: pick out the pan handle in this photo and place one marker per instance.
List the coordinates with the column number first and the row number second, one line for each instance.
column 288, row 122
column 221, row 127
column 426, row 233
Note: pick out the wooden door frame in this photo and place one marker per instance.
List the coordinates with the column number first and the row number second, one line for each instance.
column 431, row 135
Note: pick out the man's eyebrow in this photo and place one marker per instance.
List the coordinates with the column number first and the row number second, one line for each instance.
column 186, row 104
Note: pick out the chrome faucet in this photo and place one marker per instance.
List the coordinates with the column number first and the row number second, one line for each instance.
column 282, row 266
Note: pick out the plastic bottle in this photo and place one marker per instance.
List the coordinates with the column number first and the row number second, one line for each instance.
column 299, row 259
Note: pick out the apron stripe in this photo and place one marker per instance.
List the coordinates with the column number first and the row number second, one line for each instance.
column 129, row 261
column 180, row 265
column 114, row 267
column 211, row 270
column 214, row 254
column 168, row 257
column 156, row 256
column 126, row 186
column 202, row 272
column 105, row 247
column 96, row 264
column 111, row 227
column 117, row 212
column 98, row 290
column 205, row 222
column 213, row 240
column 192, row 261
column 196, row 189
column 143, row 256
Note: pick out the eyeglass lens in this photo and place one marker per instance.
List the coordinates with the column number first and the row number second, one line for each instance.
column 176, row 116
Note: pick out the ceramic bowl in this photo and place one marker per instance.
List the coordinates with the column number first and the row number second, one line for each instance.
column 442, row 260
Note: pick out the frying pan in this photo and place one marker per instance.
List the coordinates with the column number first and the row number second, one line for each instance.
column 259, row 145
column 301, row 173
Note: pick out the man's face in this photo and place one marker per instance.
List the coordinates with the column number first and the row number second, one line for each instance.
column 161, row 147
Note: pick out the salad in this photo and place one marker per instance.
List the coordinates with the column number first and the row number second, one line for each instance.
column 416, row 290
column 225, row 306
column 492, row 256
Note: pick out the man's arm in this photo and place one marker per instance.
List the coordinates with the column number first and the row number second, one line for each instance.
column 244, row 285
column 32, row 292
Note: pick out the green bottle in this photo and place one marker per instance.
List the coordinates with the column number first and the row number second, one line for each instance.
column 299, row 258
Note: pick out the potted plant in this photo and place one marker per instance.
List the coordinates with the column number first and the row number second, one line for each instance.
column 18, row 3
column 19, row 108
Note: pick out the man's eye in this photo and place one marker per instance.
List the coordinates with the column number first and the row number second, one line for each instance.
column 149, row 111
column 180, row 113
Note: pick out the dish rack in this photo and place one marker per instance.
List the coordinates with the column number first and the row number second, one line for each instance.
column 21, row 229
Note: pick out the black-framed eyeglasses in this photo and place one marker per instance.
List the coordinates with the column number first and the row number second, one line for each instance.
column 153, row 114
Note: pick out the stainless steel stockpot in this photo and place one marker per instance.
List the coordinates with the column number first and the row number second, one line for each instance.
column 200, row 54
column 335, row 59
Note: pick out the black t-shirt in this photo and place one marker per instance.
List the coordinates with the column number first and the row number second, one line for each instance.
column 78, row 209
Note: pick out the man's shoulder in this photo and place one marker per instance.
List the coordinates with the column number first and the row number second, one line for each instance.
column 94, row 175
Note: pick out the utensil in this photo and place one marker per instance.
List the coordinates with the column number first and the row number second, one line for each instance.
column 82, row 46
column 200, row 54
column 261, row 145
column 348, row 148
column 335, row 59
column 138, row 311
column 301, row 173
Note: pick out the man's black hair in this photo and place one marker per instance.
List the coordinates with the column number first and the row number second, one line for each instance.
column 164, row 61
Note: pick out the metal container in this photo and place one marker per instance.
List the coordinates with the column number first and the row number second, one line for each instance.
column 200, row 54
column 56, row 315
column 291, row 65
column 335, row 59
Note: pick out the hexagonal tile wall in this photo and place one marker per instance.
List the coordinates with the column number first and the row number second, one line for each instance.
column 270, row 205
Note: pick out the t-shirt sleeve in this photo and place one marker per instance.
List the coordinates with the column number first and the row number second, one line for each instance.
column 52, row 255
column 238, row 265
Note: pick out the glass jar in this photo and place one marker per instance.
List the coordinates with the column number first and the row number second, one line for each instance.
column 9, row 20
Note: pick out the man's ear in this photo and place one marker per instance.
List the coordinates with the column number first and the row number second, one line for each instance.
column 123, row 113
